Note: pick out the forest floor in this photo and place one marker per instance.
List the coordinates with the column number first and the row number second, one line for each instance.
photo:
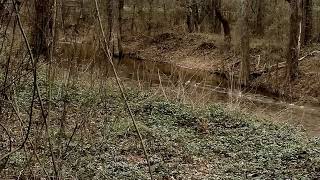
column 183, row 142
column 98, row 140
column 209, row 52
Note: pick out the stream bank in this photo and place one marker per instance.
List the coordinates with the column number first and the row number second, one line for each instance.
column 213, row 80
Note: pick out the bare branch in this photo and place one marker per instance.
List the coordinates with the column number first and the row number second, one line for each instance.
column 109, row 56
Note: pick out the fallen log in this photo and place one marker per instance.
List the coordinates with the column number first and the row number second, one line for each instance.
column 279, row 65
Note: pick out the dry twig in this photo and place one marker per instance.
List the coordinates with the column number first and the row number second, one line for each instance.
column 109, row 56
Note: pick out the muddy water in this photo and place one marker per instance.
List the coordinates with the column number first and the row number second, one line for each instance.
column 170, row 74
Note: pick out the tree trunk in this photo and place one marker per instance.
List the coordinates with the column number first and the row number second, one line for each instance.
column 303, row 22
column 294, row 40
column 211, row 15
column 195, row 15
column 110, row 20
column 216, row 24
column 133, row 17
column 2, row 9
column 82, row 15
column 245, row 43
column 164, row 11
column 141, row 22
column 150, row 16
column 120, row 49
column 189, row 17
column 42, row 28
column 259, row 29
column 308, row 25
column 226, row 26
column 63, row 15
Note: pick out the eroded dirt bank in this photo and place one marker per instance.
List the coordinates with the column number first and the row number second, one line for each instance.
column 207, row 55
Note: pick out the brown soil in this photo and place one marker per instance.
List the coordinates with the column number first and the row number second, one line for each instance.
column 190, row 50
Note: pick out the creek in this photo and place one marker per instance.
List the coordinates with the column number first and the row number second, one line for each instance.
column 262, row 103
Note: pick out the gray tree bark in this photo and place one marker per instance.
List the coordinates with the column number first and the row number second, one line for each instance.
column 294, row 39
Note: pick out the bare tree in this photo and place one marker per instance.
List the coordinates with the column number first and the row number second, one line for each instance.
column 225, row 25
column 294, row 39
column 42, row 28
column 120, row 7
column 189, row 17
column 133, row 17
column 307, row 25
column 215, row 22
column 164, row 7
column 150, row 16
column 245, row 42
column 110, row 4
column 259, row 25
column 140, row 14
column 195, row 15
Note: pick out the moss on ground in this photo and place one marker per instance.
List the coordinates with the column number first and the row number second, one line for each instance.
column 182, row 142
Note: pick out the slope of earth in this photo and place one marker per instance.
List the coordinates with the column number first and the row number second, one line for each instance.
column 190, row 50
column 183, row 143
column 207, row 52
